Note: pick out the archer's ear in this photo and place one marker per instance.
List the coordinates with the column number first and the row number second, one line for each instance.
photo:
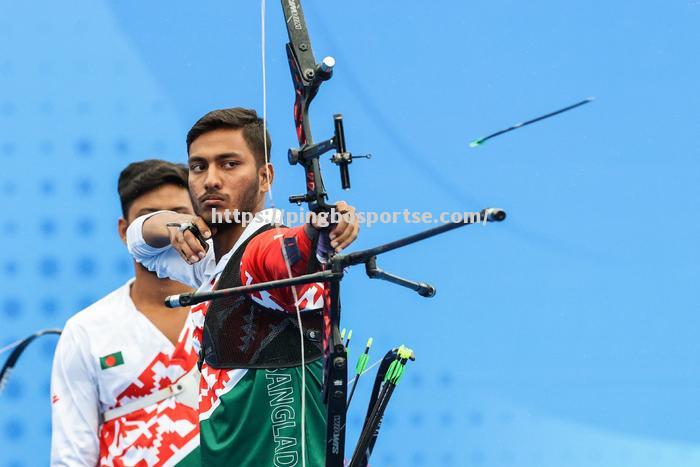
column 267, row 176
column 122, row 225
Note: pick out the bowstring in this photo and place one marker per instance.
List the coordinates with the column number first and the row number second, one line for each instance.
column 367, row 370
column 281, row 238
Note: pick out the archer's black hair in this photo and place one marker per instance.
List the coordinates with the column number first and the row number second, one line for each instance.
column 138, row 178
column 235, row 118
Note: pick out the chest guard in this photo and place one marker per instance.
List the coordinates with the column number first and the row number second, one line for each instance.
column 240, row 333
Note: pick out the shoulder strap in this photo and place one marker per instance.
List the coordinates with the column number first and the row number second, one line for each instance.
column 231, row 275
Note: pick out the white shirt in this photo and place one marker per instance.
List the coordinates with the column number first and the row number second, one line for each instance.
column 109, row 355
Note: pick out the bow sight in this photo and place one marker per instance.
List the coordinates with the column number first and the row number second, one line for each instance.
column 308, row 155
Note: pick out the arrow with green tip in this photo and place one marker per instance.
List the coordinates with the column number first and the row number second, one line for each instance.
column 480, row 141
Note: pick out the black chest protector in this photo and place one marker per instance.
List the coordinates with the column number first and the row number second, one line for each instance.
column 240, row 333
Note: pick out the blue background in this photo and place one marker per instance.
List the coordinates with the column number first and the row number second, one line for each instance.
column 566, row 336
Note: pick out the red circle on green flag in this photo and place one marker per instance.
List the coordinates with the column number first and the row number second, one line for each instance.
column 110, row 361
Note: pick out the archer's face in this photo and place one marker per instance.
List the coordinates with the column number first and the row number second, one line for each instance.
column 224, row 174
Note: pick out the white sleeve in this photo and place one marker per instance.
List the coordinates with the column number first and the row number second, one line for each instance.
column 166, row 262
column 75, row 410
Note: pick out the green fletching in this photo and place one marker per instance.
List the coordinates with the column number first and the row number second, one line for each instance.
column 361, row 364
column 364, row 358
column 396, row 368
column 476, row 143
column 395, row 373
column 390, row 372
column 399, row 376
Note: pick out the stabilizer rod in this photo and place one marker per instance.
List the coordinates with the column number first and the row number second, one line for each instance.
column 490, row 214
column 423, row 289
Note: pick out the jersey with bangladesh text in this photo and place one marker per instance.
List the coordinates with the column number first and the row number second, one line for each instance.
column 109, row 356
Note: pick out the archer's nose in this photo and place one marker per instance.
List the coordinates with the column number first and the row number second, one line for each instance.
column 213, row 182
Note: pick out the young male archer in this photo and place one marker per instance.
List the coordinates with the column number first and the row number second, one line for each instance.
column 251, row 386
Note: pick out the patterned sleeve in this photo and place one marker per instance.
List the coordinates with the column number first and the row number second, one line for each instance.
column 264, row 260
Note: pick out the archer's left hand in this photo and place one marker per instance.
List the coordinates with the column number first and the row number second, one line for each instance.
column 345, row 231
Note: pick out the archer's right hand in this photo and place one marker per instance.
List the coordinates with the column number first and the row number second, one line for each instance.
column 177, row 230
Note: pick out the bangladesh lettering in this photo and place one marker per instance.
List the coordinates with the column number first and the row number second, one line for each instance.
column 283, row 417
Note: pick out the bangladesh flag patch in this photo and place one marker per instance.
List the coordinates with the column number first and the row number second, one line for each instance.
column 111, row 360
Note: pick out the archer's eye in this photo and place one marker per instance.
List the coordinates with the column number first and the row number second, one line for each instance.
column 230, row 164
column 197, row 167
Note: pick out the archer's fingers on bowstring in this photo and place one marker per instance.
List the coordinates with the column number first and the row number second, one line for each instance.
column 183, row 247
column 196, row 250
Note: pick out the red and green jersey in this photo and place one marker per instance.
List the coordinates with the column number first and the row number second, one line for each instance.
column 251, row 417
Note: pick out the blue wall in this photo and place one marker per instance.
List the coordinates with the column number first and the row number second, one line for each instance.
column 564, row 337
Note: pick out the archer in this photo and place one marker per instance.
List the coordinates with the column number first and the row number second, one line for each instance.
column 251, row 363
